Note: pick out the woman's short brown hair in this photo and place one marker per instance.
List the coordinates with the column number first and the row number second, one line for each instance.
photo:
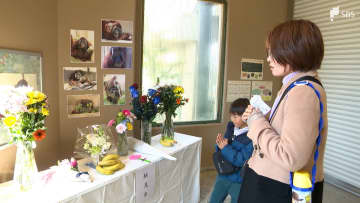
column 298, row 43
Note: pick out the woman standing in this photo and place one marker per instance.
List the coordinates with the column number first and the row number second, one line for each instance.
column 287, row 142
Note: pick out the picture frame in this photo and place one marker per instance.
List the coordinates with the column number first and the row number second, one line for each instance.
column 117, row 31
column 21, row 68
column 83, row 106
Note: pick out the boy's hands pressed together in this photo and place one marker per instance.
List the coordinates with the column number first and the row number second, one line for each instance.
column 221, row 141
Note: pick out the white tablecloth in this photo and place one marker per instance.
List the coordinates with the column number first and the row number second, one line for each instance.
column 176, row 181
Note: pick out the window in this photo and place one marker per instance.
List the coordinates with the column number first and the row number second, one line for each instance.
column 184, row 45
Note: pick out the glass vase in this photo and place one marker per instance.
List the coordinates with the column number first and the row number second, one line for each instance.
column 146, row 131
column 95, row 158
column 122, row 144
column 25, row 172
column 167, row 132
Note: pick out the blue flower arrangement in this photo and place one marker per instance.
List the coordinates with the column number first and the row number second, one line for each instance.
column 145, row 107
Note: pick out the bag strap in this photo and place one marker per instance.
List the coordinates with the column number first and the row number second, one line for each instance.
column 307, row 77
column 321, row 125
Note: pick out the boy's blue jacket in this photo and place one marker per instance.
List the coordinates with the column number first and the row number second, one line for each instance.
column 237, row 151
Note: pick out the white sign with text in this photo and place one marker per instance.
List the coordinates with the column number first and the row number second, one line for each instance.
column 145, row 183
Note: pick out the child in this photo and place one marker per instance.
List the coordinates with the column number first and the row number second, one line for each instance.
column 236, row 148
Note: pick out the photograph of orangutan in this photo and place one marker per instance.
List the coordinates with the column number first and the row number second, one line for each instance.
column 116, row 31
column 114, row 89
column 82, row 46
column 80, row 78
column 116, row 57
column 82, row 106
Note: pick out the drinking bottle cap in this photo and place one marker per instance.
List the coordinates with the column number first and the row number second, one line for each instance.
column 302, row 179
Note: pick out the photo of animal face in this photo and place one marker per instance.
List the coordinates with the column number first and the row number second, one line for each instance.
column 82, row 46
column 116, row 31
column 80, row 78
column 114, row 89
column 116, row 57
column 80, row 106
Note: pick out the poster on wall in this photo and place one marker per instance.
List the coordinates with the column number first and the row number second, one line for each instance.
column 251, row 69
column 238, row 89
column 116, row 31
column 262, row 88
column 116, row 57
column 21, row 68
column 82, row 46
column 80, row 78
column 114, row 89
column 82, row 106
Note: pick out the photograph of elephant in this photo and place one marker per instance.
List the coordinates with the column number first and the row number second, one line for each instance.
column 80, row 78
column 82, row 106
column 116, row 31
column 114, row 89
column 82, row 46
column 116, row 57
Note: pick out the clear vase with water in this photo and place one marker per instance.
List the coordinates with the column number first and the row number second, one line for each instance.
column 122, row 144
column 25, row 172
column 146, row 131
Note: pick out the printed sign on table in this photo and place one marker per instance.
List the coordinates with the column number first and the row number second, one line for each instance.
column 145, row 183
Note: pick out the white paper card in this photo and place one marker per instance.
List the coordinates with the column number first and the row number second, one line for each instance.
column 238, row 89
column 258, row 103
column 145, row 183
column 144, row 148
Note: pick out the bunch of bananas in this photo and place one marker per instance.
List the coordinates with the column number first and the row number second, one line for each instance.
column 109, row 164
column 167, row 142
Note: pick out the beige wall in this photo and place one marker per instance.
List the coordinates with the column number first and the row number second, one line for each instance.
column 32, row 26
column 46, row 28
column 87, row 15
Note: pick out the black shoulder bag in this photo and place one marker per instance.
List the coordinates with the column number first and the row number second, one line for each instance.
column 223, row 166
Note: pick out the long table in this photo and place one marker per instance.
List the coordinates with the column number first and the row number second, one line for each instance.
column 175, row 181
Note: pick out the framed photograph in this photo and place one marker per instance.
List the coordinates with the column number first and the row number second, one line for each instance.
column 116, row 31
column 21, row 68
column 82, row 46
column 82, row 106
column 114, row 89
column 116, row 57
column 80, row 78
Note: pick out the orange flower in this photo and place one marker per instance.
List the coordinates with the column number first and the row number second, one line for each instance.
column 178, row 101
column 39, row 134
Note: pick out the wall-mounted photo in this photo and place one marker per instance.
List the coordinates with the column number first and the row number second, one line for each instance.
column 20, row 68
column 116, row 31
column 82, row 46
column 80, row 78
column 116, row 57
column 114, row 89
column 82, row 106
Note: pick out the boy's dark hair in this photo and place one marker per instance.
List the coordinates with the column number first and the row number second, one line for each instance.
column 238, row 106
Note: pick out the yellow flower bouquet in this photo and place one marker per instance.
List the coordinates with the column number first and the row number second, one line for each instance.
column 22, row 112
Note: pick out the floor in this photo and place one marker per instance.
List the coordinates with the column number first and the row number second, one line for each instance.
column 331, row 194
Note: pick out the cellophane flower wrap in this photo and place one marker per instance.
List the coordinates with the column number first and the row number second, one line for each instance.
column 93, row 141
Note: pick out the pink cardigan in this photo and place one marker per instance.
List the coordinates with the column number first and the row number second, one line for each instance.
column 288, row 143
